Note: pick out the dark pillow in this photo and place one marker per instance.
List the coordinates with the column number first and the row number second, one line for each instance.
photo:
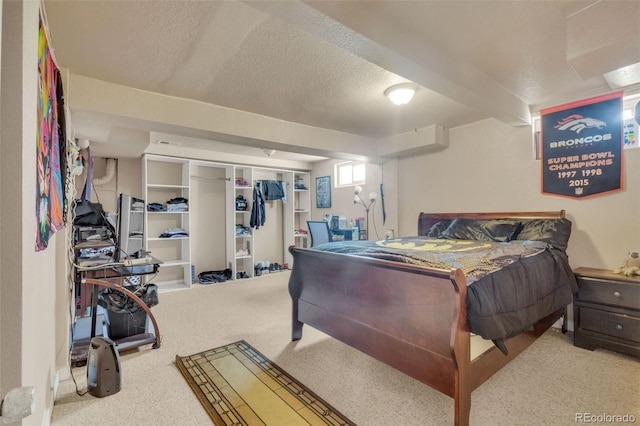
column 555, row 232
column 437, row 228
column 501, row 230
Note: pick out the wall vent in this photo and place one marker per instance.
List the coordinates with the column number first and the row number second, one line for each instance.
column 168, row 143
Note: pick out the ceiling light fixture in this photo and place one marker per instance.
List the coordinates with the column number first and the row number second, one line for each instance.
column 401, row 94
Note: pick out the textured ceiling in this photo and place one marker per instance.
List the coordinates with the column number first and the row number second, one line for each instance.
column 326, row 64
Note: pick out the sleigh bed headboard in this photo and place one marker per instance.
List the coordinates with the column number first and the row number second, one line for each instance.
column 550, row 227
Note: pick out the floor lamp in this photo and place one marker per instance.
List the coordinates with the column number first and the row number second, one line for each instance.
column 357, row 199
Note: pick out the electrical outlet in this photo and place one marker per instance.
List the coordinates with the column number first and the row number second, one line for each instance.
column 54, row 384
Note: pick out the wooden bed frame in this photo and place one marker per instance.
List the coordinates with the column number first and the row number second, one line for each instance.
column 411, row 318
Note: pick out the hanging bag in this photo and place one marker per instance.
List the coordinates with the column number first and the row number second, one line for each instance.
column 86, row 213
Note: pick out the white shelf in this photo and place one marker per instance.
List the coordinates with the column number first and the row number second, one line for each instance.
column 166, row 286
column 167, row 212
column 166, row 178
column 242, row 217
column 302, row 208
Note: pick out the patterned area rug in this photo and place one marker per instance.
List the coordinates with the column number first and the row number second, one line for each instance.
column 237, row 385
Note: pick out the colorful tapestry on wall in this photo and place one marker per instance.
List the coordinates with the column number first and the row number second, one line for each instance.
column 49, row 154
column 582, row 147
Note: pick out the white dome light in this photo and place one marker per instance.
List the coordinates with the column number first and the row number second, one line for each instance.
column 401, row 94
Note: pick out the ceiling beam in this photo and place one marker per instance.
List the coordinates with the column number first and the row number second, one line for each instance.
column 186, row 117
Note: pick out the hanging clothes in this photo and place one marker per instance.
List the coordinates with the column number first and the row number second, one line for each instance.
column 274, row 190
column 257, row 210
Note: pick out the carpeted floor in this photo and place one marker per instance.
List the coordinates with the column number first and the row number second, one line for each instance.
column 549, row 384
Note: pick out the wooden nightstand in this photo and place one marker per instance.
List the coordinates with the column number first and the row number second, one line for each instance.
column 606, row 311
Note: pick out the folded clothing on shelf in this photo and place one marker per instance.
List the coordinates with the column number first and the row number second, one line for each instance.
column 178, row 204
column 242, row 231
column 174, row 233
column 242, row 182
column 242, row 253
column 137, row 205
column 156, row 207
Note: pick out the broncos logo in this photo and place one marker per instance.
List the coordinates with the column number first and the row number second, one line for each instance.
column 577, row 123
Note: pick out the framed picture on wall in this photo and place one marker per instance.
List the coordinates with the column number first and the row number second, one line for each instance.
column 323, row 192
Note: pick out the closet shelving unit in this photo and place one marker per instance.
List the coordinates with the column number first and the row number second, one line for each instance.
column 241, row 250
column 165, row 178
column 302, row 207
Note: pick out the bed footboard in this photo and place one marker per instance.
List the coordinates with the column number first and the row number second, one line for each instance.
column 384, row 309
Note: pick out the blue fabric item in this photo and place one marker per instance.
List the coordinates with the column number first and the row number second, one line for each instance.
column 156, row 207
column 257, row 210
column 179, row 207
column 273, row 190
column 384, row 211
column 174, row 233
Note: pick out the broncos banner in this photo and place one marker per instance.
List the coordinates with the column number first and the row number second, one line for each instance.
column 582, row 147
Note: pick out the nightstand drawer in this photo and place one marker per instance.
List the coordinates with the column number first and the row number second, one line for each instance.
column 609, row 323
column 607, row 292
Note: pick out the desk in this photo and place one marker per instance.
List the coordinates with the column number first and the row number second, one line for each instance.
column 100, row 277
column 345, row 234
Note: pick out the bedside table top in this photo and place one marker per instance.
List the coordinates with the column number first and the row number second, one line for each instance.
column 606, row 274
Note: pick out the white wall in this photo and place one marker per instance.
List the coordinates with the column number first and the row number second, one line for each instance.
column 207, row 200
column 489, row 166
column 342, row 198
column 129, row 176
column 29, row 311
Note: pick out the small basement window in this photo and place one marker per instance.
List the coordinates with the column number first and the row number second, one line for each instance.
column 349, row 173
